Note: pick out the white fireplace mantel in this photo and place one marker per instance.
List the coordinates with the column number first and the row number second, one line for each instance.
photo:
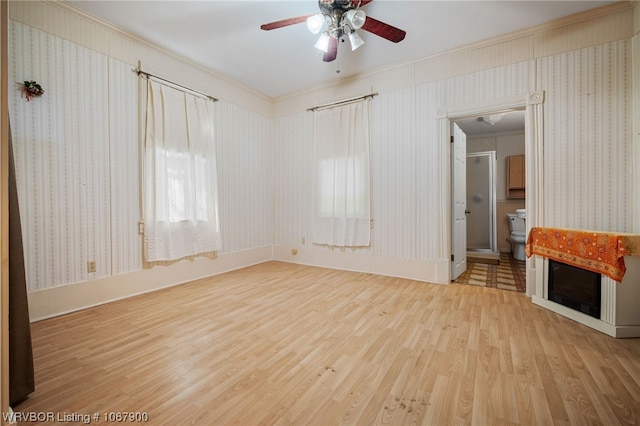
column 620, row 305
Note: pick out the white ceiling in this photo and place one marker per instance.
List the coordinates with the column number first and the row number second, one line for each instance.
column 225, row 36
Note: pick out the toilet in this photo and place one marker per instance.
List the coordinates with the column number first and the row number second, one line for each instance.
column 518, row 236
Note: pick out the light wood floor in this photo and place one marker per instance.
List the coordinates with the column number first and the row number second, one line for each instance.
column 287, row 344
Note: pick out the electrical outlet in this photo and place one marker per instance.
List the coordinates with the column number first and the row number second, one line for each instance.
column 91, row 266
column 294, row 252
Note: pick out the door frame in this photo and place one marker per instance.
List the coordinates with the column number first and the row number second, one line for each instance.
column 532, row 103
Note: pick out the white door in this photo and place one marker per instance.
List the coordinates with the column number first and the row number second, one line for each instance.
column 459, row 202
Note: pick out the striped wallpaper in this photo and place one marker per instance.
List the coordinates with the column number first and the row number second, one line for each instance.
column 394, row 174
column 126, row 243
column 588, row 119
column 293, row 173
column 61, row 145
column 243, row 143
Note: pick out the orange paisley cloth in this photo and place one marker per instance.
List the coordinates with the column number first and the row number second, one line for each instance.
column 596, row 251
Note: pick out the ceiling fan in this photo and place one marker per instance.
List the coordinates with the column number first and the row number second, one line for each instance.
column 337, row 19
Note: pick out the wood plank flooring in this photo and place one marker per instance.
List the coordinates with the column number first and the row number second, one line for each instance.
column 279, row 343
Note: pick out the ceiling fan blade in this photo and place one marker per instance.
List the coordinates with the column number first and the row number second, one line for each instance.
column 332, row 51
column 383, row 30
column 283, row 23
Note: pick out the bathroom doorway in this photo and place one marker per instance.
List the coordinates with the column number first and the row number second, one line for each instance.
column 492, row 138
column 488, row 201
column 532, row 105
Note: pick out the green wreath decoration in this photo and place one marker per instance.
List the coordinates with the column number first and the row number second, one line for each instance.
column 31, row 89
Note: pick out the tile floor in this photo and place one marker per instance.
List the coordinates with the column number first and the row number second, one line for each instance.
column 510, row 274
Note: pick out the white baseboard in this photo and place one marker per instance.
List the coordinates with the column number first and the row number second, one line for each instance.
column 433, row 271
column 67, row 298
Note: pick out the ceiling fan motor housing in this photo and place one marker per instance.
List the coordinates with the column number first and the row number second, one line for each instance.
column 327, row 6
column 335, row 9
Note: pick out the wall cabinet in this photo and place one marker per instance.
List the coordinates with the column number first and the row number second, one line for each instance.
column 515, row 176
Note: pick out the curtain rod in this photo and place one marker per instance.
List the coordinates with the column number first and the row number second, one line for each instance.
column 179, row 86
column 343, row 102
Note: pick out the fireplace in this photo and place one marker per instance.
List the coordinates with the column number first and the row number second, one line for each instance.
column 606, row 301
column 575, row 288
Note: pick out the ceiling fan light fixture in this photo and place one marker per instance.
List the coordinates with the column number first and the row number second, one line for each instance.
column 323, row 42
column 315, row 23
column 355, row 40
column 355, row 18
column 337, row 20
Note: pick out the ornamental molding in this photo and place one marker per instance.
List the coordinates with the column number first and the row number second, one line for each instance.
column 441, row 113
column 535, row 98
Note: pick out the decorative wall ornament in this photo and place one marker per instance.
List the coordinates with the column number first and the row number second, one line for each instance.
column 536, row 98
column 31, row 89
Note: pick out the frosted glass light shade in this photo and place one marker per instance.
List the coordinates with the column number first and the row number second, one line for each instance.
column 355, row 40
column 493, row 118
column 315, row 23
column 355, row 18
column 323, row 42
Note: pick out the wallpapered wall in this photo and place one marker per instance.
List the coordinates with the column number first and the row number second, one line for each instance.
column 588, row 139
column 77, row 156
column 76, row 151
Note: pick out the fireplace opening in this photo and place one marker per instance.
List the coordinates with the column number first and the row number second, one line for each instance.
column 575, row 288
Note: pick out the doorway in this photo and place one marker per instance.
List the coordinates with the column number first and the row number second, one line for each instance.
column 532, row 102
column 489, row 143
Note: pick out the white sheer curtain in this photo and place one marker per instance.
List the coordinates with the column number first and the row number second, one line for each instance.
column 180, row 179
column 342, row 199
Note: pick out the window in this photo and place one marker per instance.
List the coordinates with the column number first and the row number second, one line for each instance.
column 180, row 179
column 186, row 180
column 349, row 173
column 342, row 207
